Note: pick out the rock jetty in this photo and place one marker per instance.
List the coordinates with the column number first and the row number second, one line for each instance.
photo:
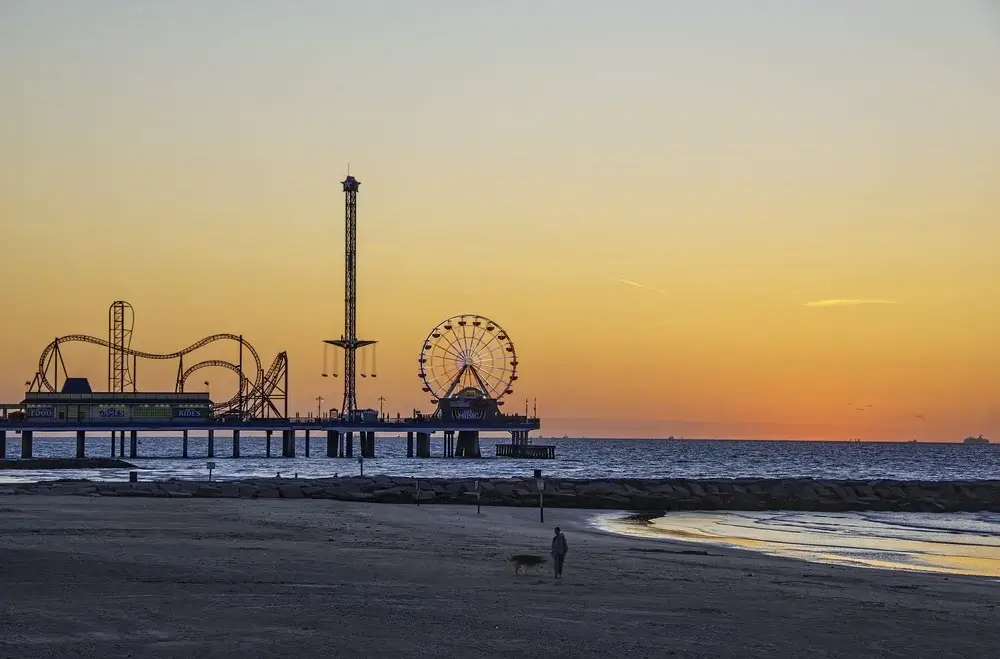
column 44, row 464
column 622, row 494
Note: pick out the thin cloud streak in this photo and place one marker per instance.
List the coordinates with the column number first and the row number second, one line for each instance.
column 642, row 286
column 846, row 303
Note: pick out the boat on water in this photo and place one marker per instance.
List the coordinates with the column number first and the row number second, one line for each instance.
column 976, row 440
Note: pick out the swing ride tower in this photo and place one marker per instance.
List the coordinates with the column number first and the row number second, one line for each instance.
column 349, row 341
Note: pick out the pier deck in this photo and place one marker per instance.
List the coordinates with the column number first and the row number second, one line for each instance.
column 428, row 425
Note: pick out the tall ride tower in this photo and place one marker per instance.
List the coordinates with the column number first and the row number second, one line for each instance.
column 349, row 340
column 121, row 319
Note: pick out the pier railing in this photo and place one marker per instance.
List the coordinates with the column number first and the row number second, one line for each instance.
column 430, row 424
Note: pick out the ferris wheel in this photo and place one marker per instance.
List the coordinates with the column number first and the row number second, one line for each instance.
column 466, row 352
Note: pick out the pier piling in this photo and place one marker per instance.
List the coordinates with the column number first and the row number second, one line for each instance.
column 423, row 445
column 367, row 444
column 288, row 443
column 520, row 447
column 26, row 444
column 340, row 436
column 468, row 444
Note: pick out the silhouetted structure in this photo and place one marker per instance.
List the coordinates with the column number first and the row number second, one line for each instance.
column 349, row 341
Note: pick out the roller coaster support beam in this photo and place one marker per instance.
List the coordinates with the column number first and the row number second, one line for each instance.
column 179, row 388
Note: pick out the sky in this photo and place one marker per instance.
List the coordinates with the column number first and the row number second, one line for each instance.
column 701, row 219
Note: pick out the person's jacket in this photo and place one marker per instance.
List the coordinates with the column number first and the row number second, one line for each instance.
column 559, row 546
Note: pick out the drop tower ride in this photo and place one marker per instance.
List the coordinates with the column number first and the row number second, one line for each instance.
column 349, row 341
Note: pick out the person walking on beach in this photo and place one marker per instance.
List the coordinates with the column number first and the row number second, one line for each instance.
column 559, row 549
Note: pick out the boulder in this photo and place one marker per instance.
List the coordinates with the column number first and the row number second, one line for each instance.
column 135, row 493
column 392, row 495
column 290, row 492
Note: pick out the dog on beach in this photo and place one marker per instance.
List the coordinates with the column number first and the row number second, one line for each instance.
column 525, row 561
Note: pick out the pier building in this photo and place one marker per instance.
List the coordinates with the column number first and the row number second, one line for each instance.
column 78, row 404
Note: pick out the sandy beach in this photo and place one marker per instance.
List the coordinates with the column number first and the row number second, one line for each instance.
column 104, row 576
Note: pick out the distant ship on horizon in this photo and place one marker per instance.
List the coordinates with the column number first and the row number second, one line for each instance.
column 975, row 440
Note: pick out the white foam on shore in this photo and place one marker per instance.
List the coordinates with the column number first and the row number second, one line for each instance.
column 951, row 543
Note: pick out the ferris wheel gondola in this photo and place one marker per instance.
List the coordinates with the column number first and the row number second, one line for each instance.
column 468, row 352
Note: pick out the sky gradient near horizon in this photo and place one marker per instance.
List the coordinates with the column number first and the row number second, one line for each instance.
column 715, row 219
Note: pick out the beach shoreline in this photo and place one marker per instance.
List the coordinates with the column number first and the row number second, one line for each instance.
column 950, row 544
column 91, row 576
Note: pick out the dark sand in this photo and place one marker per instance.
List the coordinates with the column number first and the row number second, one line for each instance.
column 113, row 577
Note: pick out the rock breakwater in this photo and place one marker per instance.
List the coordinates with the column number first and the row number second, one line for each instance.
column 45, row 464
column 623, row 494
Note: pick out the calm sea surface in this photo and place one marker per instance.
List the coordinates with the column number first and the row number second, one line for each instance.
column 575, row 458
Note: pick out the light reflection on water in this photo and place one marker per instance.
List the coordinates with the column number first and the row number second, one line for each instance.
column 954, row 543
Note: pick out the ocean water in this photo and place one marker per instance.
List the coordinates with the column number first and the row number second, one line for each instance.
column 959, row 543
column 575, row 458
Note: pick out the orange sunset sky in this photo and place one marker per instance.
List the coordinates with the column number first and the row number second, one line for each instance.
column 700, row 219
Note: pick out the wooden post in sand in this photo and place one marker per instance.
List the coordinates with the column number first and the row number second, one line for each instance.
column 541, row 499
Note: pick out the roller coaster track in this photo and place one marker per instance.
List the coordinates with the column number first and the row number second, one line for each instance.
column 253, row 393
column 263, row 405
column 245, row 384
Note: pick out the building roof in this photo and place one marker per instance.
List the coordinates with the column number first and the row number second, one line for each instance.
column 115, row 398
column 76, row 386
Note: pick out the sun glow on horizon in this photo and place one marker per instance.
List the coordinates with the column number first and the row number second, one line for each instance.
column 808, row 217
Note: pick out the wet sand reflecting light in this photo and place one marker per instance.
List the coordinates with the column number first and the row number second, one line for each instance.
column 961, row 543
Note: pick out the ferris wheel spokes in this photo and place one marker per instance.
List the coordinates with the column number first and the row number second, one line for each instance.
column 468, row 352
